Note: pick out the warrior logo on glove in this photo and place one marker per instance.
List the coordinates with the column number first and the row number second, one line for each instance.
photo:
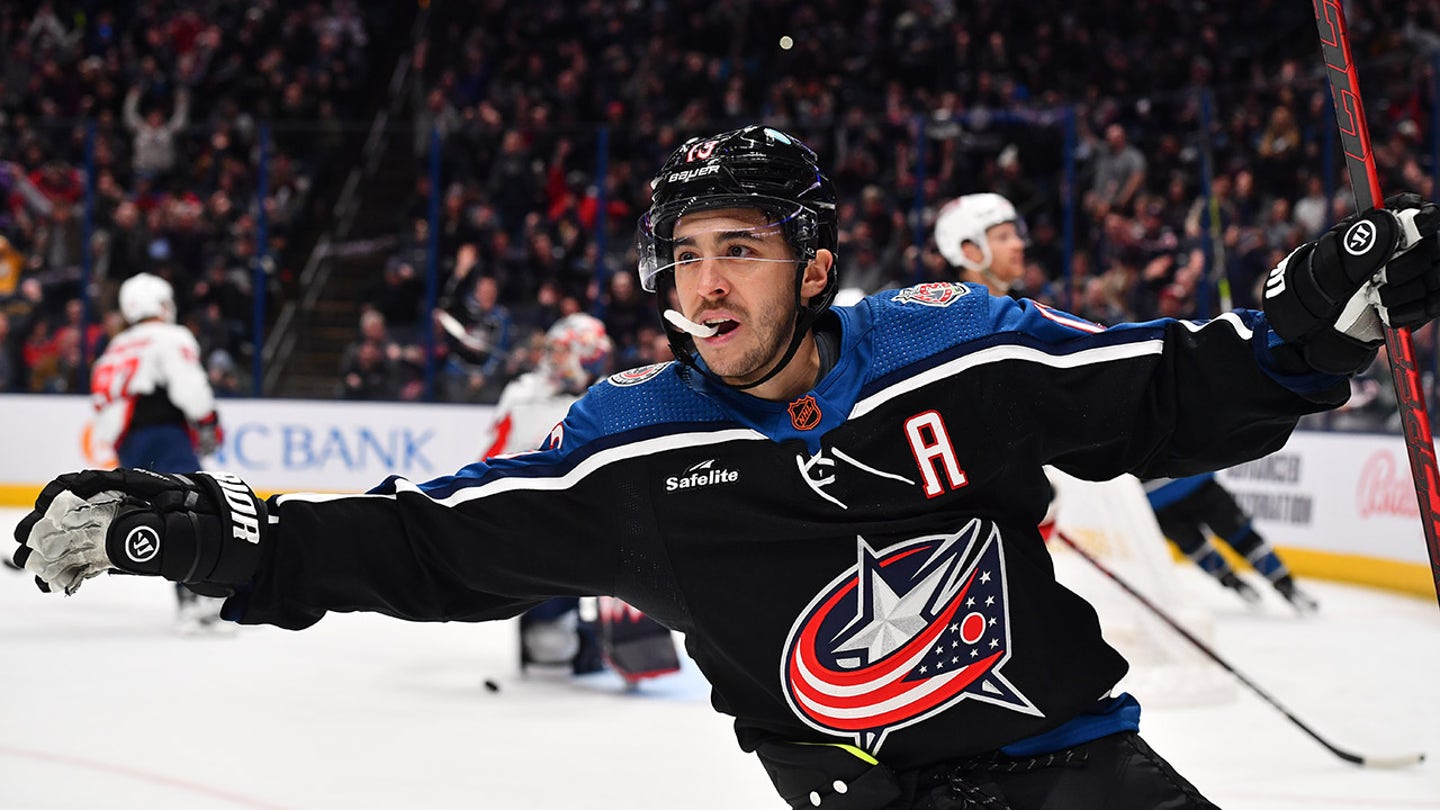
column 1360, row 239
column 142, row 544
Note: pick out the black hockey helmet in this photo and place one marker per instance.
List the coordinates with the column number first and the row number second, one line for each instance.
column 756, row 167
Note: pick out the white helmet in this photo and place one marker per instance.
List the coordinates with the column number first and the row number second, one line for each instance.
column 147, row 296
column 966, row 219
column 577, row 350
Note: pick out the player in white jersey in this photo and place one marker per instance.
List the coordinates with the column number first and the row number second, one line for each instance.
column 155, row 406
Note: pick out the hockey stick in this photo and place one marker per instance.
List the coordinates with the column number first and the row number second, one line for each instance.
column 1365, row 181
column 455, row 329
column 1212, row 205
column 1366, row 761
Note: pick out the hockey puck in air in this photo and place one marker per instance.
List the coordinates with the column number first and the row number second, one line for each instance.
column 491, row 686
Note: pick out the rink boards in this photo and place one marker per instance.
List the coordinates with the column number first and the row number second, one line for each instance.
column 1340, row 506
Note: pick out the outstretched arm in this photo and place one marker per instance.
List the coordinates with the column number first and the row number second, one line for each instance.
column 485, row 543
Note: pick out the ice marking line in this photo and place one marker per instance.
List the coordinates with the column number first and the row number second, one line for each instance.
column 141, row 776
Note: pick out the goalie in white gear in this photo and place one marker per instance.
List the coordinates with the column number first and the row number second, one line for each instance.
column 984, row 236
column 576, row 352
column 154, row 404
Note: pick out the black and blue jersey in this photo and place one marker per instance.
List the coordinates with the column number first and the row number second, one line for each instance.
column 858, row 566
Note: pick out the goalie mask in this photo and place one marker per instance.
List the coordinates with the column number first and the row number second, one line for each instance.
column 576, row 351
column 757, row 168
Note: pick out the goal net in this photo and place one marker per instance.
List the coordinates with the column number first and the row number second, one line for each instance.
column 1113, row 522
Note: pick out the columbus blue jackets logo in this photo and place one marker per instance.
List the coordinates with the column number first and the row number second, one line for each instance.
column 931, row 294
column 904, row 635
column 635, row 376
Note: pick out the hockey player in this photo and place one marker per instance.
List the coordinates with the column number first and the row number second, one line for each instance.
column 836, row 505
column 155, row 407
column 575, row 353
column 983, row 236
column 1189, row 509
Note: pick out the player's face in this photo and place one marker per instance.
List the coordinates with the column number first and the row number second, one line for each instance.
column 1007, row 252
column 736, row 271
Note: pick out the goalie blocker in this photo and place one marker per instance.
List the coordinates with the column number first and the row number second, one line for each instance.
column 203, row 530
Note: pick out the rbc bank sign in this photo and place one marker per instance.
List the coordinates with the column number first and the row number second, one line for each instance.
column 347, row 446
column 275, row 445
column 298, row 448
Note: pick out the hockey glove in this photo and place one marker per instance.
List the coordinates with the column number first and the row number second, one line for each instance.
column 1329, row 298
column 208, row 435
column 203, row 529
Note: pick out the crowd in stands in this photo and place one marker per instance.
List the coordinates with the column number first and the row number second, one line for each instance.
column 910, row 102
column 157, row 107
column 983, row 85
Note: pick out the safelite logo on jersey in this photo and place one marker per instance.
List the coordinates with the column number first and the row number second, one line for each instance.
column 704, row 474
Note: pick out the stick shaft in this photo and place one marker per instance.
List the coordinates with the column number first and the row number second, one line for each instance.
column 1400, row 348
column 1381, row 762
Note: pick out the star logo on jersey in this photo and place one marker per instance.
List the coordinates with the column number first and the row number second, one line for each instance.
column 903, row 635
column 635, row 376
column 932, row 294
column 804, row 413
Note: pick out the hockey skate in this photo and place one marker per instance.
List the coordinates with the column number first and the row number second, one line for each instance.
column 1304, row 603
column 1241, row 587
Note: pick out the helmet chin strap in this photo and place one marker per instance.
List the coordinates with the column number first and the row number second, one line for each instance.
column 990, row 279
column 999, row 282
column 682, row 337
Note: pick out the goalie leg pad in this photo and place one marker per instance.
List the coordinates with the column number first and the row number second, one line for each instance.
column 635, row 645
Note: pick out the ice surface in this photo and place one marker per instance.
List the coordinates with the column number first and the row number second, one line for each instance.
column 105, row 706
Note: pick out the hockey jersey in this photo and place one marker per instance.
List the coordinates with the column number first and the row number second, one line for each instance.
column 529, row 408
column 149, row 374
column 858, row 566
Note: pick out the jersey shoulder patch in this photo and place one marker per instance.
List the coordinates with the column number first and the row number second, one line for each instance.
column 917, row 322
column 636, row 376
column 647, row 396
column 931, row 294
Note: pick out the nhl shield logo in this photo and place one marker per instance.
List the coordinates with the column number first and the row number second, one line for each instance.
column 635, row 376
column 804, row 413
column 932, row 294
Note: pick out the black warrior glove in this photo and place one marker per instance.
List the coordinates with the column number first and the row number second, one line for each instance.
column 203, row 529
column 1328, row 299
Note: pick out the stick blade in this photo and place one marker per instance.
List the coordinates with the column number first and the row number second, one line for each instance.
column 1392, row 762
